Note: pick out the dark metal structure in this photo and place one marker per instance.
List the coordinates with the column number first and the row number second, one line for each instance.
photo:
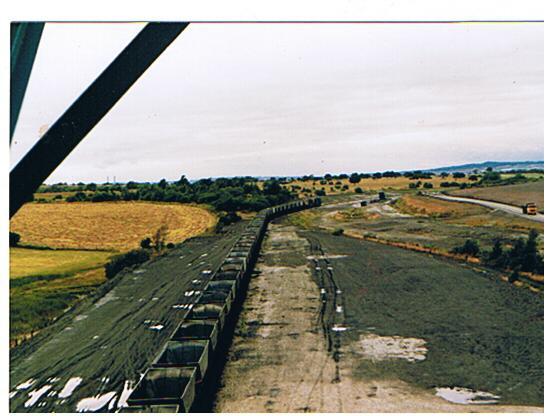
column 67, row 132
column 24, row 41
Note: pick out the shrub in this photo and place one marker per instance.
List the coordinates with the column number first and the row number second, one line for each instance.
column 470, row 248
column 320, row 192
column 428, row 185
column 514, row 276
column 354, row 178
column 14, row 239
column 228, row 218
column 146, row 243
column 338, row 231
column 359, row 190
column 118, row 263
column 170, row 245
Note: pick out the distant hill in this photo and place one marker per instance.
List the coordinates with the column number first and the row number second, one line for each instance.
column 498, row 166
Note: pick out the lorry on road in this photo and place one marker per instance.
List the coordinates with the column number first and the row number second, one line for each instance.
column 530, row 208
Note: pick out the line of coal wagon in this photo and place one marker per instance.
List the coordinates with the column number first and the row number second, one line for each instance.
column 177, row 374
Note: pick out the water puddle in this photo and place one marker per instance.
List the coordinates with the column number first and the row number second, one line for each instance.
column 35, row 395
column 92, row 404
column 338, row 328
column 462, row 395
column 69, row 387
column 157, row 327
column 127, row 391
column 327, row 257
column 25, row 385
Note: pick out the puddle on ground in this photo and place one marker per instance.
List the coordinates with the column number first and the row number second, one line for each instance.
column 338, row 328
column 327, row 257
column 380, row 348
column 25, row 385
column 461, row 395
column 126, row 392
column 92, row 404
column 69, row 387
column 35, row 395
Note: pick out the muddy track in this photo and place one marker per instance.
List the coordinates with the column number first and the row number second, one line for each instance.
column 331, row 316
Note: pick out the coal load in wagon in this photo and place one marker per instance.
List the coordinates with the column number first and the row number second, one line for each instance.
column 185, row 353
column 193, row 329
column 166, row 386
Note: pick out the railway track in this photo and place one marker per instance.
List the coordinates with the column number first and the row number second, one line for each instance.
column 192, row 337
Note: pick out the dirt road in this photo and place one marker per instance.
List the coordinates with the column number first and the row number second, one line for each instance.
column 510, row 209
column 281, row 360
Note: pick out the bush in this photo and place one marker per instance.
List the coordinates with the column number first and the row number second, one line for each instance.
column 354, row 178
column 359, row 190
column 320, row 192
column 118, row 263
column 338, row 231
column 470, row 248
column 170, row 245
column 513, row 277
column 14, row 239
column 146, row 243
column 428, row 185
column 228, row 218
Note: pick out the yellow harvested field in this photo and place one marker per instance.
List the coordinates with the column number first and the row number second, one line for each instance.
column 116, row 226
column 370, row 184
column 30, row 262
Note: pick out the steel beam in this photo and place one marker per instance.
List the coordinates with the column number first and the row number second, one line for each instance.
column 67, row 132
column 24, row 43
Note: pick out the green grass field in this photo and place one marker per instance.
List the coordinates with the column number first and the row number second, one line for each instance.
column 25, row 262
column 480, row 332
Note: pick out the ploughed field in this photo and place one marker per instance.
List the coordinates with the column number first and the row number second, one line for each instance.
column 518, row 194
column 435, row 323
column 98, row 350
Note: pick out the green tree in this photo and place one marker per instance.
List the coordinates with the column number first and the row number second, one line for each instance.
column 14, row 239
column 354, row 178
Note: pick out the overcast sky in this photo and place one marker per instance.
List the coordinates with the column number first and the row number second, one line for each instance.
column 292, row 99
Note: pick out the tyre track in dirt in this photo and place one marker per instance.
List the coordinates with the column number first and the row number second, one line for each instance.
column 285, row 356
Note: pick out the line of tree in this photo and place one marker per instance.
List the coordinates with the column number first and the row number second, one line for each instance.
column 522, row 256
column 224, row 194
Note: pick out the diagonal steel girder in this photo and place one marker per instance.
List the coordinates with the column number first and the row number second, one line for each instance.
column 82, row 116
column 25, row 37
